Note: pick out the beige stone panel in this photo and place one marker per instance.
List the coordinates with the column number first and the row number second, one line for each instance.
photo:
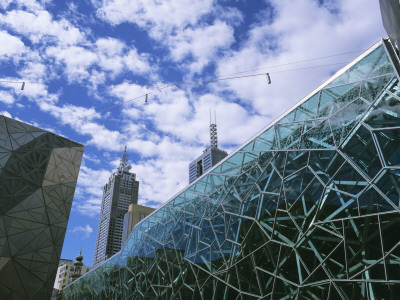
column 63, row 166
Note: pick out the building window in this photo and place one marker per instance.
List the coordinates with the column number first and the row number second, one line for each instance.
column 199, row 168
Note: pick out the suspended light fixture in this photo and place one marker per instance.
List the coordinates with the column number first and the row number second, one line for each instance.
column 268, row 78
column 146, row 98
column 23, row 86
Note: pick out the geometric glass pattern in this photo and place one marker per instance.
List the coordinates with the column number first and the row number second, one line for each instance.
column 308, row 209
column 38, row 173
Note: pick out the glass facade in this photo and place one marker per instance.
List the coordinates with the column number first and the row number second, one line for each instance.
column 38, row 173
column 308, row 209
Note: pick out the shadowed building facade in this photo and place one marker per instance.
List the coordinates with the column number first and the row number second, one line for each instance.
column 38, row 173
column 307, row 209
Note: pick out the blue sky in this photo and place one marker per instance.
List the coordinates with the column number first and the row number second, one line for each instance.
column 79, row 57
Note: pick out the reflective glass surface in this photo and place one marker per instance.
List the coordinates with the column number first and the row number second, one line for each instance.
column 309, row 209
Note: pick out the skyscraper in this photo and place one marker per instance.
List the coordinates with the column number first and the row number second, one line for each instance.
column 121, row 190
column 210, row 157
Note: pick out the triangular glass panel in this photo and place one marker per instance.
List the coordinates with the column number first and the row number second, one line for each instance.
column 333, row 99
column 374, row 64
column 318, row 137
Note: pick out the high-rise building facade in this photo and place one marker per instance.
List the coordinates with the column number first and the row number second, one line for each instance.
column 135, row 214
column 121, row 190
column 210, row 157
column 38, row 174
column 307, row 209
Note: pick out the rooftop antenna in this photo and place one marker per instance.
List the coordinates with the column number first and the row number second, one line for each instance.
column 124, row 161
column 213, row 132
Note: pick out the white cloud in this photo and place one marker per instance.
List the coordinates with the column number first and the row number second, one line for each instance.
column 202, row 43
column 88, row 193
column 172, row 108
column 39, row 26
column 95, row 62
column 101, row 137
column 6, row 98
column 110, row 46
column 137, row 63
column 96, row 78
column 83, row 231
column 300, row 30
column 93, row 187
column 31, row 5
column 76, row 59
column 34, row 71
column 169, row 170
column 81, row 119
column 5, row 113
column 114, row 56
column 109, row 52
column 35, row 91
column 159, row 17
column 128, row 91
column 10, row 45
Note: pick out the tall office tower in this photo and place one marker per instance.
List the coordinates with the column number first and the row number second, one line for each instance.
column 210, row 157
column 121, row 190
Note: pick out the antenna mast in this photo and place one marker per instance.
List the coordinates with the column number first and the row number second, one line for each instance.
column 124, row 161
column 213, row 132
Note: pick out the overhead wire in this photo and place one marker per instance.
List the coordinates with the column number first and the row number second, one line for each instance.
column 294, row 62
column 191, row 83
column 11, row 81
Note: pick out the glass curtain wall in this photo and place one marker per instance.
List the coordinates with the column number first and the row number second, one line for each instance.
column 308, row 209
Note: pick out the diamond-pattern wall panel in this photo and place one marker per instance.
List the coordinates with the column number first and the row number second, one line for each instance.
column 308, row 209
column 38, row 173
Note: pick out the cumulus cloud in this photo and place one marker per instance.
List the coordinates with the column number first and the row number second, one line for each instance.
column 202, row 43
column 97, row 61
column 300, row 30
column 83, row 231
column 39, row 26
column 159, row 17
column 89, row 192
column 76, row 60
column 109, row 52
column 31, row 5
column 10, row 45
column 138, row 63
column 6, row 97
column 5, row 113
column 82, row 120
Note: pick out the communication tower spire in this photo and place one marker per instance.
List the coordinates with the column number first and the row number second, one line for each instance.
column 213, row 132
column 124, row 161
